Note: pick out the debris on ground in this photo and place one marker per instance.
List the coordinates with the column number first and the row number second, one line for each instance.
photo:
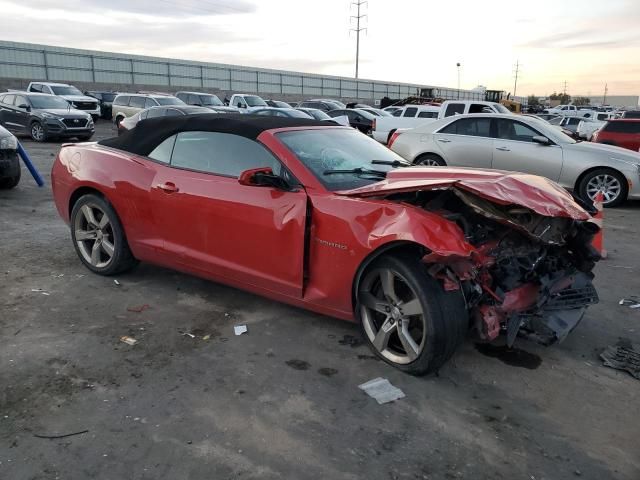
column 187, row 334
column 128, row 340
column 632, row 302
column 623, row 356
column 51, row 437
column 240, row 329
column 116, row 282
column 138, row 309
column 382, row 390
column 207, row 336
column 40, row 290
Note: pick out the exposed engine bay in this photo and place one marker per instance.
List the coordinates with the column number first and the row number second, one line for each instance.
column 530, row 275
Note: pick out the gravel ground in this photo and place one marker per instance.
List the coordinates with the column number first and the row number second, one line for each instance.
column 282, row 401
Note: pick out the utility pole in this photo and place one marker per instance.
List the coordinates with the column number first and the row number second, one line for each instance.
column 458, row 65
column 515, row 83
column 564, row 89
column 358, row 17
column 604, row 98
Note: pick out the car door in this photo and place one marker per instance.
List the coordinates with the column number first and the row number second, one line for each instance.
column 516, row 150
column 8, row 114
column 21, row 113
column 466, row 142
column 213, row 224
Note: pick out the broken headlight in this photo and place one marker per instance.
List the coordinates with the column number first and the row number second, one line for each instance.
column 9, row 143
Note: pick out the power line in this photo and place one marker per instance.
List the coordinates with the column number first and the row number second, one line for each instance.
column 196, row 9
column 517, row 71
column 358, row 17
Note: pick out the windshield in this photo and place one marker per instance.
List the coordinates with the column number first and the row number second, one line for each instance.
column 69, row 90
column 46, row 102
column 254, row 101
column 501, row 108
column 168, row 101
column 317, row 114
column 339, row 149
column 211, row 100
column 108, row 97
column 555, row 120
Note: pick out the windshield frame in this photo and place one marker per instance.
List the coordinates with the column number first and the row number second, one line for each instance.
column 360, row 144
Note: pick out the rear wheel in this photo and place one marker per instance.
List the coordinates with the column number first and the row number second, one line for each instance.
column 98, row 236
column 612, row 184
column 430, row 160
column 407, row 318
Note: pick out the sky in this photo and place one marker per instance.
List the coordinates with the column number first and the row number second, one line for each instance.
column 584, row 43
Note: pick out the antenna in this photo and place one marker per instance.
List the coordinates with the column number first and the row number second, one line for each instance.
column 358, row 17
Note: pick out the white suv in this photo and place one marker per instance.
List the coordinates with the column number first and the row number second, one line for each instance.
column 128, row 104
column 71, row 94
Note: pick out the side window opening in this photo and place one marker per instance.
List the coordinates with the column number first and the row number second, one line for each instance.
column 454, row 109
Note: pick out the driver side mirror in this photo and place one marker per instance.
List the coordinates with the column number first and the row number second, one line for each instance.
column 263, row 177
column 541, row 140
column 24, row 106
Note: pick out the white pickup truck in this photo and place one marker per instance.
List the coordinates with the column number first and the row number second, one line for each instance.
column 411, row 116
column 588, row 126
column 247, row 103
column 570, row 111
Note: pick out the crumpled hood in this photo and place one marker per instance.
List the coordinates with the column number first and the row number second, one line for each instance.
column 538, row 194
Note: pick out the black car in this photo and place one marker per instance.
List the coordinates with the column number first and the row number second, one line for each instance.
column 631, row 114
column 106, row 101
column 324, row 105
column 359, row 119
column 9, row 163
column 43, row 117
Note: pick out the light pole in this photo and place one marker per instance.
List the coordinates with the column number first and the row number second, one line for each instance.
column 458, row 65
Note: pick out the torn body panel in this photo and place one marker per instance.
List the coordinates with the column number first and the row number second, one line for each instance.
column 529, row 271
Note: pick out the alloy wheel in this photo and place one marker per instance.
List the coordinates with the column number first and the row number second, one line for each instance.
column 392, row 316
column 37, row 132
column 93, row 234
column 606, row 184
column 430, row 162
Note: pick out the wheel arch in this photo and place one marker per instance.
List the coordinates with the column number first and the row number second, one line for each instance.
column 428, row 152
column 81, row 191
column 578, row 181
column 396, row 247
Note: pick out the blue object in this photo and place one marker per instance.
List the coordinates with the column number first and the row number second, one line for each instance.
column 32, row 168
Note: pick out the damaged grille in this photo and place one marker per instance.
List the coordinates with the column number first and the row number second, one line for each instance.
column 573, row 298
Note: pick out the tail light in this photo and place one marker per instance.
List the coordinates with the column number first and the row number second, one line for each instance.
column 393, row 138
column 373, row 124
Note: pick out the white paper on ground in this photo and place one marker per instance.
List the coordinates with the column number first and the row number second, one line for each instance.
column 382, row 390
column 239, row 329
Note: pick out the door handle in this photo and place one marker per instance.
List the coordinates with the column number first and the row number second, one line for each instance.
column 444, row 140
column 167, row 187
column 503, row 149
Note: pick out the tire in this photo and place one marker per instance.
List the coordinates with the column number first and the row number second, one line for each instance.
column 12, row 181
column 614, row 186
column 440, row 327
column 119, row 118
column 37, row 132
column 430, row 159
column 88, row 229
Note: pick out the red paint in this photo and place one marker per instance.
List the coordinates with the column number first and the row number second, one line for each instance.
column 629, row 140
column 255, row 237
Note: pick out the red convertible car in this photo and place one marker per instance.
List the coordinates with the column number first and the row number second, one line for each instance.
column 325, row 218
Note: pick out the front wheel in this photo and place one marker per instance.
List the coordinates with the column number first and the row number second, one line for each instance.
column 613, row 186
column 98, row 236
column 37, row 132
column 406, row 316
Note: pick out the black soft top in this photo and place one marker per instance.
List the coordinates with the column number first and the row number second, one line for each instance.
column 148, row 134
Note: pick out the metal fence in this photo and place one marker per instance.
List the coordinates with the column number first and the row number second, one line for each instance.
column 43, row 62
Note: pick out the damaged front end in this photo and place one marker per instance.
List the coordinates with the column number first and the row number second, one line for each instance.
column 529, row 275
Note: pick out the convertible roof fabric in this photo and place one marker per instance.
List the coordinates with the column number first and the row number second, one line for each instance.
column 148, row 134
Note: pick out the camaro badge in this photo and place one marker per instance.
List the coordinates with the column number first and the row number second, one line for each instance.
column 327, row 243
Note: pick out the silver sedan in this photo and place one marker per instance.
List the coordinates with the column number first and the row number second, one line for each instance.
column 528, row 145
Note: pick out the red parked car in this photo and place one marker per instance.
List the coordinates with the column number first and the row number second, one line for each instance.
column 323, row 217
column 623, row 132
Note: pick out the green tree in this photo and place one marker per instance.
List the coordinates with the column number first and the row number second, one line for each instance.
column 580, row 101
column 564, row 98
column 532, row 100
